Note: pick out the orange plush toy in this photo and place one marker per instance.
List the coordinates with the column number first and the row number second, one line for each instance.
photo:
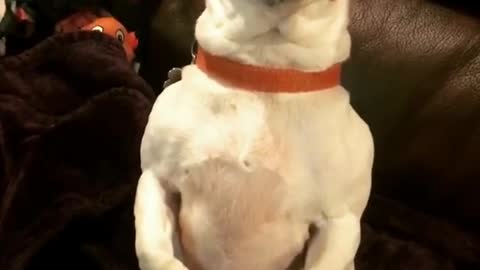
column 114, row 28
column 90, row 21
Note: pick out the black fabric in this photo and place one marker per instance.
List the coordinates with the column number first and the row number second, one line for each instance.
column 72, row 114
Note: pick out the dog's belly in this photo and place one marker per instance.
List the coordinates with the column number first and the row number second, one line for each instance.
column 272, row 248
column 241, row 226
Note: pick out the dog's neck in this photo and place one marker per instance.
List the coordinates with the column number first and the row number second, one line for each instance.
column 307, row 35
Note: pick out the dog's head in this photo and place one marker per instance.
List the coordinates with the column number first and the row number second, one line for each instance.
column 317, row 30
column 271, row 14
column 284, row 8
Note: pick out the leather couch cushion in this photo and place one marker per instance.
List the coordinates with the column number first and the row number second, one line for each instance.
column 414, row 75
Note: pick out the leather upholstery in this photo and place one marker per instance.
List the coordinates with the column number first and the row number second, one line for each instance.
column 414, row 76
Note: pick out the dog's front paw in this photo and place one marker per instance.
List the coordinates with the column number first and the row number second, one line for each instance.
column 174, row 75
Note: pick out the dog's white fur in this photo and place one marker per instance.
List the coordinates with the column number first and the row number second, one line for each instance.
column 254, row 170
column 2, row 9
column 2, row 40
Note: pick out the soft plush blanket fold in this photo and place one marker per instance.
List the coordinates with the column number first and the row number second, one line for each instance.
column 72, row 113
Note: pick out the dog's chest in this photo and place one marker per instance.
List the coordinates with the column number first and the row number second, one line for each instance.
column 246, row 170
column 225, row 157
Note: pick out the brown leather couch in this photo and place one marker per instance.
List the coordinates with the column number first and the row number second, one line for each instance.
column 414, row 75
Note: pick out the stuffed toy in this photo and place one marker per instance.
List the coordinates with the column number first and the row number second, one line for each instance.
column 110, row 26
column 102, row 22
column 27, row 22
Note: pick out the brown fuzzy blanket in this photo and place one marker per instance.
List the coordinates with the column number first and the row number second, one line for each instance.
column 72, row 114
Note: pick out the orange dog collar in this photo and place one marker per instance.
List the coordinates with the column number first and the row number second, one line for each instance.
column 262, row 79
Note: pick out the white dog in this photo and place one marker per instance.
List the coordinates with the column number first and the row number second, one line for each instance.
column 260, row 143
